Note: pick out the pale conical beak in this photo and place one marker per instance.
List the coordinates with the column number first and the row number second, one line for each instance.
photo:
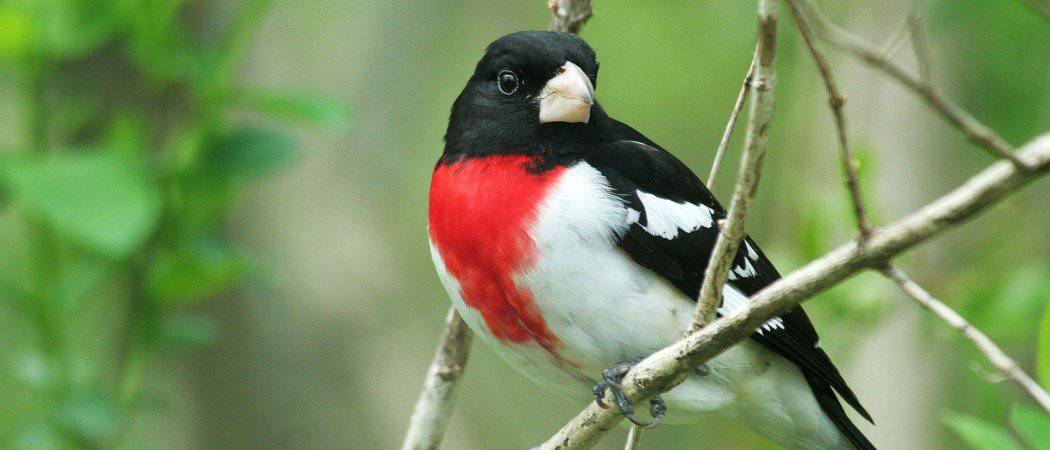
column 567, row 97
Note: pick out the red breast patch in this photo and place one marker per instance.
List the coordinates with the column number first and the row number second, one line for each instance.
column 480, row 213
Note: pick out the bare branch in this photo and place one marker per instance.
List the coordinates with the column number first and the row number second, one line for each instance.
column 434, row 406
column 632, row 438
column 893, row 43
column 666, row 368
column 921, row 50
column 1003, row 363
column 569, row 15
column 759, row 118
column 836, row 100
column 720, row 154
column 974, row 130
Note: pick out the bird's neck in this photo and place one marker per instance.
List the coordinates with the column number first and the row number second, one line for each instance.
column 550, row 144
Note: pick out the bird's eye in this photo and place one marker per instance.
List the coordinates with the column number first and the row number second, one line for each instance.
column 508, row 82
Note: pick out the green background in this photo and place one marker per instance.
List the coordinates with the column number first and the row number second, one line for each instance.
column 212, row 214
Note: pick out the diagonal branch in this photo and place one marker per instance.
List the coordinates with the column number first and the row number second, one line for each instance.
column 921, row 50
column 434, row 406
column 836, row 100
column 974, row 130
column 759, row 118
column 668, row 367
column 1003, row 363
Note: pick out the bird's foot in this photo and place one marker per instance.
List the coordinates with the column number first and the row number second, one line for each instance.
column 611, row 379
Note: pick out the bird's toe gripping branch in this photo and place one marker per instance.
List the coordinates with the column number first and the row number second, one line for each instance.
column 611, row 379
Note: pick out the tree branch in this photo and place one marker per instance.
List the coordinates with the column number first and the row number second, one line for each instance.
column 759, row 118
column 434, row 406
column 974, row 130
column 921, row 50
column 1003, row 363
column 720, row 154
column 836, row 100
column 569, row 15
column 668, row 367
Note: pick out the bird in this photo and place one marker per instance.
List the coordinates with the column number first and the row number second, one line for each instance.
column 575, row 246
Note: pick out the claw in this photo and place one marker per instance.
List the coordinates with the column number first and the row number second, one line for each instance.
column 611, row 379
column 599, row 393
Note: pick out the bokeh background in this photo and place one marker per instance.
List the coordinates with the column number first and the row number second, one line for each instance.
column 212, row 214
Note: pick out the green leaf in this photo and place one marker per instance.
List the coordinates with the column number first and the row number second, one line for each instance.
column 250, row 152
column 297, row 106
column 980, row 434
column 100, row 201
column 182, row 330
column 1033, row 425
column 193, row 273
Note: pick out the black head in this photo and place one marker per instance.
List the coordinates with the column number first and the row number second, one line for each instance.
column 532, row 93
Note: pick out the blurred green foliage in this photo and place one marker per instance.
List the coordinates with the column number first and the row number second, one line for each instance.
column 1028, row 425
column 133, row 155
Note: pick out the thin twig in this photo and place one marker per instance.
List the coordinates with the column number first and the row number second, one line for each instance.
column 921, row 50
column 666, row 368
column 759, row 118
column 434, row 406
column 893, row 43
column 836, row 101
column 995, row 355
column 974, row 130
column 720, row 154
column 633, row 436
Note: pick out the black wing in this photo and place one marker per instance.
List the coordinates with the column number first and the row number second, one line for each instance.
column 637, row 168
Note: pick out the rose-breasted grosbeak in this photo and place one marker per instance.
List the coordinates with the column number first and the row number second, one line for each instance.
column 571, row 243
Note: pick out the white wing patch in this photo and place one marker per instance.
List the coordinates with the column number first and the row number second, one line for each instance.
column 747, row 270
column 666, row 218
column 733, row 301
column 751, row 253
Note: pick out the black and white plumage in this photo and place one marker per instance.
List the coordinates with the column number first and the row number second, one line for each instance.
column 576, row 244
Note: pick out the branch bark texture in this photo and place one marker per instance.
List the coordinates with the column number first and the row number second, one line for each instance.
column 759, row 119
column 569, row 15
column 434, row 406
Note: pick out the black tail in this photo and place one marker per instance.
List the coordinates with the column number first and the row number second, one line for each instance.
column 830, row 404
